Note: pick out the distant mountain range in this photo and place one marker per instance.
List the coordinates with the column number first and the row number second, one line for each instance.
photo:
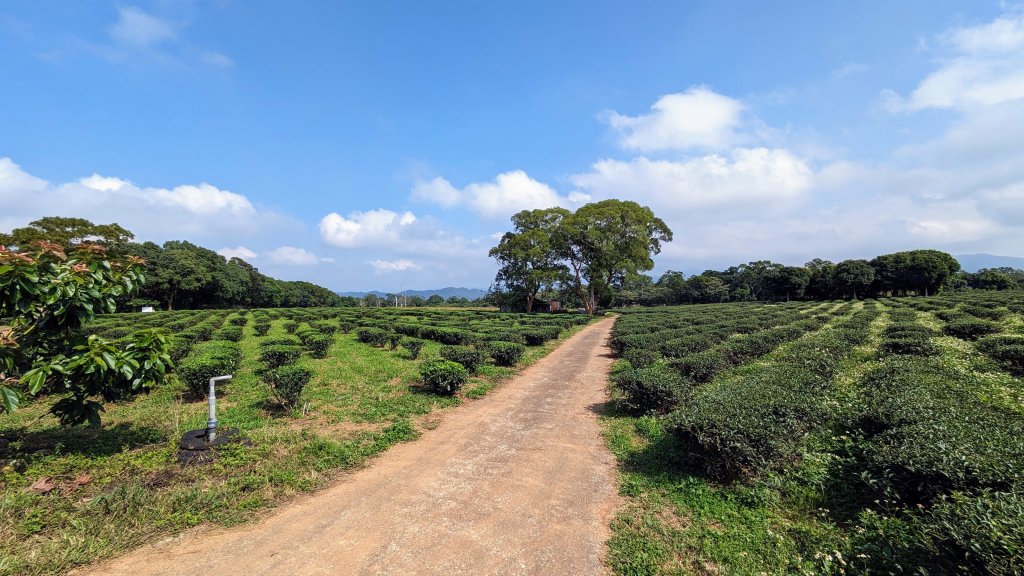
column 446, row 293
column 975, row 262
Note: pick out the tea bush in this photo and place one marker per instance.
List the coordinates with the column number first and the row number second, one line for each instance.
column 319, row 345
column 470, row 358
column 279, row 355
column 1008, row 350
column 971, row 328
column 230, row 333
column 443, row 376
column 413, row 345
column 655, row 389
column 208, row 359
column 287, row 383
column 373, row 336
column 506, row 353
column 261, row 328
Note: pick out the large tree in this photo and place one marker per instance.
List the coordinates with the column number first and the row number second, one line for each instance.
column 528, row 256
column 67, row 232
column 605, row 241
column 852, row 276
column 918, row 271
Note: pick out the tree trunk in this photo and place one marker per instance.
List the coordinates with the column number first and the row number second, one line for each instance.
column 170, row 299
column 529, row 303
column 581, row 292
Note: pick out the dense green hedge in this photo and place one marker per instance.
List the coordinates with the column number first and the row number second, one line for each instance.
column 470, row 358
column 208, row 359
column 443, row 376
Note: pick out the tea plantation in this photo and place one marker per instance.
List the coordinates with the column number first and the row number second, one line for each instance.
column 314, row 391
column 876, row 437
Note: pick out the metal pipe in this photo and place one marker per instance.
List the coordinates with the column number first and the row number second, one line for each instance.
column 211, row 423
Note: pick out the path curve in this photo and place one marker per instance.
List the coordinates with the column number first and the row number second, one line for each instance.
column 519, row 482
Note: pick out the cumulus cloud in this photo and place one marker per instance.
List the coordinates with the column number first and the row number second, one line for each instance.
column 437, row 191
column 239, row 252
column 510, row 192
column 742, row 180
column 136, row 27
column 374, row 227
column 291, row 256
column 697, row 118
column 985, row 66
column 383, row 266
column 194, row 211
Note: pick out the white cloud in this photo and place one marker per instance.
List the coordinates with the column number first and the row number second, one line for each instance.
column 985, row 67
column 15, row 181
column 437, row 191
column 383, row 266
column 201, row 212
column 291, row 256
column 374, row 227
column 216, row 59
column 697, row 118
column 850, row 69
column 137, row 28
column 510, row 192
column 239, row 252
column 745, row 180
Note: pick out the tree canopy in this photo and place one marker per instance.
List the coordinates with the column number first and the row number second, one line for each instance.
column 178, row 274
column 591, row 251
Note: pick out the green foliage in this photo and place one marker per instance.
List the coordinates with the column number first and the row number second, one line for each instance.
column 279, row 355
column 655, row 389
column 926, row 433
column 290, row 326
column 281, row 341
column 239, row 320
column 49, row 295
column 373, row 336
column 413, row 345
column 394, row 339
column 261, row 328
column 324, row 327
column 231, row 333
column 319, row 345
column 971, row 329
column 539, row 335
column 443, row 376
column 207, row 360
column 910, row 345
column 1008, row 350
column 287, row 382
column 469, row 357
column 980, row 533
column 505, row 353
column 528, row 257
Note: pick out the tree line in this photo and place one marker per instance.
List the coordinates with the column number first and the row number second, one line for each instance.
column 179, row 274
column 596, row 256
column 909, row 273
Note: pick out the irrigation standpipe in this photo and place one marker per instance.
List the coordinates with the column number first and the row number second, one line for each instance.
column 211, row 423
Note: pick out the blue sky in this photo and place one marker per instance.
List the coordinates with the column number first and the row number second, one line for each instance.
column 380, row 144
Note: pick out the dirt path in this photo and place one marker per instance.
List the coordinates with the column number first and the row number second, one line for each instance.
column 519, row 482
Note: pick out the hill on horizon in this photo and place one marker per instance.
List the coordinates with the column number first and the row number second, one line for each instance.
column 446, row 293
column 975, row 262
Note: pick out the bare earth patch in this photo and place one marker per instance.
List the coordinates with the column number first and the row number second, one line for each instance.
column 519, row 482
